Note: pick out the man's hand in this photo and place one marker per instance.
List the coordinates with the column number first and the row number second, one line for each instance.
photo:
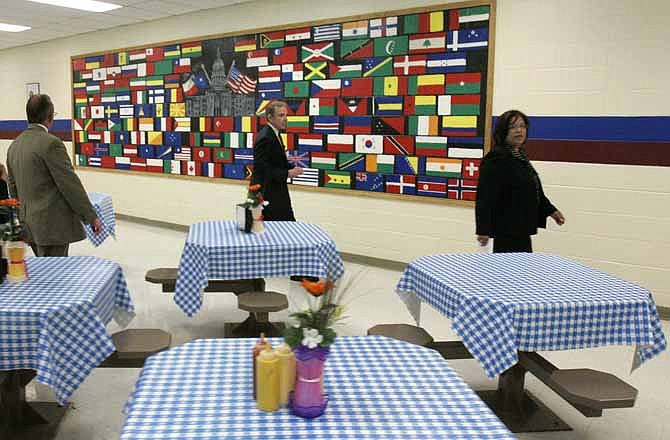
column 483, row 239
column 558, row 217
column 295, row 172
column 97, row 226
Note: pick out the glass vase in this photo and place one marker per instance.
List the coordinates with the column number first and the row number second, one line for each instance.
column 17, row 270
column 257, row 220
column 308, row 399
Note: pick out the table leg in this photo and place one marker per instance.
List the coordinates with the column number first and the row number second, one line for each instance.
column 253, row 326
column 20, row 419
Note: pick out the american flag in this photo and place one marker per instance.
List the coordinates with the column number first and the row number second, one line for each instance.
column 239, row 82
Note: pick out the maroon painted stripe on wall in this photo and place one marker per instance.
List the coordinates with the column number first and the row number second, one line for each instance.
column 605, row 152
column 12, row 134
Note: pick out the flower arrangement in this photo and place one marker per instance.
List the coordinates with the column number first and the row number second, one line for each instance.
column 12, row 230
column 255, row 197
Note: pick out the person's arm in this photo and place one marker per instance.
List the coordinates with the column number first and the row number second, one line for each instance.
column 548, row 209
column 487, row 194
column 68, row 183
column 11, row 183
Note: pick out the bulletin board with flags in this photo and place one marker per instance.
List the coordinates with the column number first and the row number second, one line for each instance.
column 397, row 103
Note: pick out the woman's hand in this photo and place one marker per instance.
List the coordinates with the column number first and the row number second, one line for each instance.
column 558, row 217
column 483, row 239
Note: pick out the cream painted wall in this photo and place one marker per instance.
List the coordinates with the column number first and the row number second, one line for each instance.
column 565, row 58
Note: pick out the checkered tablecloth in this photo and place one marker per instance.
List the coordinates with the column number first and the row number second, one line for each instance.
column 102, row 204
column 501, row 303
column 378, row 388
column 219, row 250
column 54, row 322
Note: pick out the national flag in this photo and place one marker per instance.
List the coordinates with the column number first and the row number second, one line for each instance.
column 467, row 39
column 245, row 124
column 233, row 171
column 212, row 169
column 336, row 179
column 94, row 161
column 355, row 29
column 94, row 62
column 340, row 143
column 357, row 124
column 182, row 124
column 246, row 43
column 115, row 150
column 423, row 125
column 171, row 51
column 222, row 155
column 322, row 106
column 146, row 151
column 234, row 140
column 291, row 72
column 79, row 64
column 459, row 126
column 443, row 167
column 122, row 163
column 409, row 65
column 462, row 189
column 315, row 70
column 130, row 150
column 446, row 62
column 123, row 97
column 390, row 85
column 345, row 70
column 146, row 124
column 458, row 105
column 138, row 97
column 270, row 40
column 369, row 144
column 463, row 83
column 317, row 52
column 383, row 27
column 287, row 139
column 129, row 71
column 163, row 67
column 182, row 153
column 269, row 74
column 156, row 96
column 181, row 65
column 326, row 32
column 155, row 137
column 261, row 105
column 474, row 14
column 390, row 46
column 400, row 184
column 270, row 91
column 203, row 154
column 426, row 85
column 202, row 123
column 388, row 125
column 285, row 55
column 427, row 43
column 223, row 123
column 403, row 145
column 192, row 49
column 327, row 88
column 379, row 163
column 86, row 148
column 171, row 167
column 211, row 139
column 357, row 86
column 356, row 49
column 296, row 107
column 189, row 86
column 171, row 138
column 421, row 105
column 93, row 88
column 309, row 177
column 310, row 142
column 297, row 124
column 379, row 66
column 369, row 181
column 191, row 168
column 178, row 109
column 470, row 168
column 81, row 136
column 100, row 74
column 195, row 139
column 326, row 124
column 298, row 158
column 425, row 22
column 387, row 105
column 95, row 136
column 435, row 146
column 108, row 162
column 431, row 186
column 298, row 34
column 101, row 150
column 465, row 152
column 239, row 82
column 296, row 89
column 353, row 106
column 324, row 160
column 257, row 58
column 138, row 137
column 244, row 156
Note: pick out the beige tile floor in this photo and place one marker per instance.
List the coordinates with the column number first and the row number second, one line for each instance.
column 97, row 404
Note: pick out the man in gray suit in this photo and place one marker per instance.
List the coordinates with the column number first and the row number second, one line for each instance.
column 53, row 200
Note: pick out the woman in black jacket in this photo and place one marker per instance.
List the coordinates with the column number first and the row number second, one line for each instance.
column 511, row 204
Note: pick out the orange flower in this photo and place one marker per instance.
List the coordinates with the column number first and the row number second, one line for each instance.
column 10, row 202
column 317, row 288
column 255, row 187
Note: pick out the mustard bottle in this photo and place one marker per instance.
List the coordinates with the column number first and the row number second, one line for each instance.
column 286, row 372
column 267, row 380
column 260, row 346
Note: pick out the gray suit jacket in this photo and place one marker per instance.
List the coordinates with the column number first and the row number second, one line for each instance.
column 53, row 200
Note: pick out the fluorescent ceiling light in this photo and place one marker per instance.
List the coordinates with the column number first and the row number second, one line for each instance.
column 13, row 27
column 84, row 5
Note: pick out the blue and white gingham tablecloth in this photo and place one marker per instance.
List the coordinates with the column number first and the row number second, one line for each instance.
column 501, row 303
column 379, row 388
column 54, row 322
column 219, row 250
column 102, row 204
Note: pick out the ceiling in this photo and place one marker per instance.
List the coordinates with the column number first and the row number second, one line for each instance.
column 52, row 22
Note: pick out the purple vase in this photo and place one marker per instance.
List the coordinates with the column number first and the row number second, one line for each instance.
column 308, row 399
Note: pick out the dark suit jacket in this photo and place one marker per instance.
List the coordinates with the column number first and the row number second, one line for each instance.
column 507, row 199
column 53, row 200
column 271, row 170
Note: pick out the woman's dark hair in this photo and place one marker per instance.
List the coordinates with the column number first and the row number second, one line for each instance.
column 39, row 109
column 502, row 125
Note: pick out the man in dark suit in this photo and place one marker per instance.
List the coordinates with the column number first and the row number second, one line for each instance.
column 271, row 167
column 53, row 200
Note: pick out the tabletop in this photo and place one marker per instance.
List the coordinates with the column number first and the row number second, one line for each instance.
column 102, row 204
column 219, row 250
column 501, row 303
column 379, row 388
column 54, row 322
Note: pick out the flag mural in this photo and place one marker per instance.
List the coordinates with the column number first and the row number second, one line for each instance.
column 394, row 103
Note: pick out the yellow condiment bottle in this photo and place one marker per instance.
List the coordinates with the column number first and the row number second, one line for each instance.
column 261, row 345
column 286, row 372
column 267, row 380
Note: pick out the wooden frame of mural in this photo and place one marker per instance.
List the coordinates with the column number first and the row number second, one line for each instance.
column 395, row 103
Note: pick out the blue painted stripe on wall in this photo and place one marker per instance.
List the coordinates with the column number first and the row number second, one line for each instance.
column 20, row 125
